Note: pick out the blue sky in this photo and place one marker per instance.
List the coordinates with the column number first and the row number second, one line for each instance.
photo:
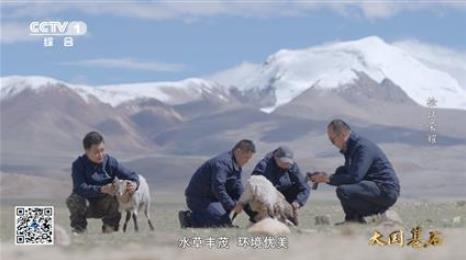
column 140, row 41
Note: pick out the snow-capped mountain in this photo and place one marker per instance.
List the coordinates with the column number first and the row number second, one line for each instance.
column 14, row 85
column 284, row 76
column 288, row 73
column 172, row 93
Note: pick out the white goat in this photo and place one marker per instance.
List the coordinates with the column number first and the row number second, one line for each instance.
column 267, row 201
column 133, row 203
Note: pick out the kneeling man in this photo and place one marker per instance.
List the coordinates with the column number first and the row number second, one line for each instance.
column 215, row 188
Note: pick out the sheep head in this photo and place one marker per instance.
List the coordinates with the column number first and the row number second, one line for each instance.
column 285, row 212
column 119, row 186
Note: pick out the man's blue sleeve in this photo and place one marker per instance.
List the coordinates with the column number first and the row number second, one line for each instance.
column 79, row 182
column 218, row 181
column 303, row 187
column 237, row 189
column 355, row 171
column 260, row 168
column 121, row 172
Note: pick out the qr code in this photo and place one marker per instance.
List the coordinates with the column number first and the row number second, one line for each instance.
column 34, row 225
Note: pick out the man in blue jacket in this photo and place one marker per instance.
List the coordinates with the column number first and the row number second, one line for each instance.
column 92, row 195
column 215, row 188
column 367, row 184
column 283, row 172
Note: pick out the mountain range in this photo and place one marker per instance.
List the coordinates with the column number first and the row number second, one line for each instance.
column 170, row 127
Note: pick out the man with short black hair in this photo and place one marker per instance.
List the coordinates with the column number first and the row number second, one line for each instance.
column 215, row 188
column 92, row 195
column 367, row 184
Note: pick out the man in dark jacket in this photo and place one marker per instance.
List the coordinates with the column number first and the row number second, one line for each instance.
column 215, row 188
column 367, row 184
column 283, row 172
column 92, row 195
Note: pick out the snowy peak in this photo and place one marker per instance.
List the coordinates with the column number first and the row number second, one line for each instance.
column 290, row 72
column 366, row 89
column 13, row 85
column 172, row 93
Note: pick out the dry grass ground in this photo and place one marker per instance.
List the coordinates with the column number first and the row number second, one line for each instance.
column 309, row 241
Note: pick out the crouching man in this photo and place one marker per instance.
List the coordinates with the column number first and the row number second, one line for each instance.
column 367, row 184
column 215, row 188
column 92, row 195
column 283, row 172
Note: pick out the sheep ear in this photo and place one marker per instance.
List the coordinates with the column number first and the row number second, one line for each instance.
column 115, row 180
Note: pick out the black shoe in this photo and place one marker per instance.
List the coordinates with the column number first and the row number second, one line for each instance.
column 229, row 225
column 106, row 229
column 359, row 220
column 183, row 216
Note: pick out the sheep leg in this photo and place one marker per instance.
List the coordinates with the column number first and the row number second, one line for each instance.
column 146, row 212
column 294, row 217
column 135, row 220
column 271, row 211
column 128, row 216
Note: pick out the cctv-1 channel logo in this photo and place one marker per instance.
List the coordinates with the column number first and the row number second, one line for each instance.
column 52, row 29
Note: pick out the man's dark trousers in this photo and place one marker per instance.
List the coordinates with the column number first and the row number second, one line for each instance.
column 365, row 198
column 207, row 213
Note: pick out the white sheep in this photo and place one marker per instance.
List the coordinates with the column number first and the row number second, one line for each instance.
column 267, row 201
column 269, row 227
column 133, row 203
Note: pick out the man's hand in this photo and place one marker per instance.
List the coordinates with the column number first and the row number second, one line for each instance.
column 319, row 177
column 107, row 189
column 295, row 205
column 131, row 187
column 238, row 208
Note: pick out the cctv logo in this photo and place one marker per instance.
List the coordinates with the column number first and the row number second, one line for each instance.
column 51, row 28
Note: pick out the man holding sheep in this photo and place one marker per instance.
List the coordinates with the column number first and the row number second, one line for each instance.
column 283, row 172
column 92, row 195
column 367, row 183
column 215, row 188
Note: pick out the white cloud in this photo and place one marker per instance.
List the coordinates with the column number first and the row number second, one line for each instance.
column 15, row 32
column 128, row 63
column 379, row 10
column 189, row 11
column 162, row 10
column 446, row 59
